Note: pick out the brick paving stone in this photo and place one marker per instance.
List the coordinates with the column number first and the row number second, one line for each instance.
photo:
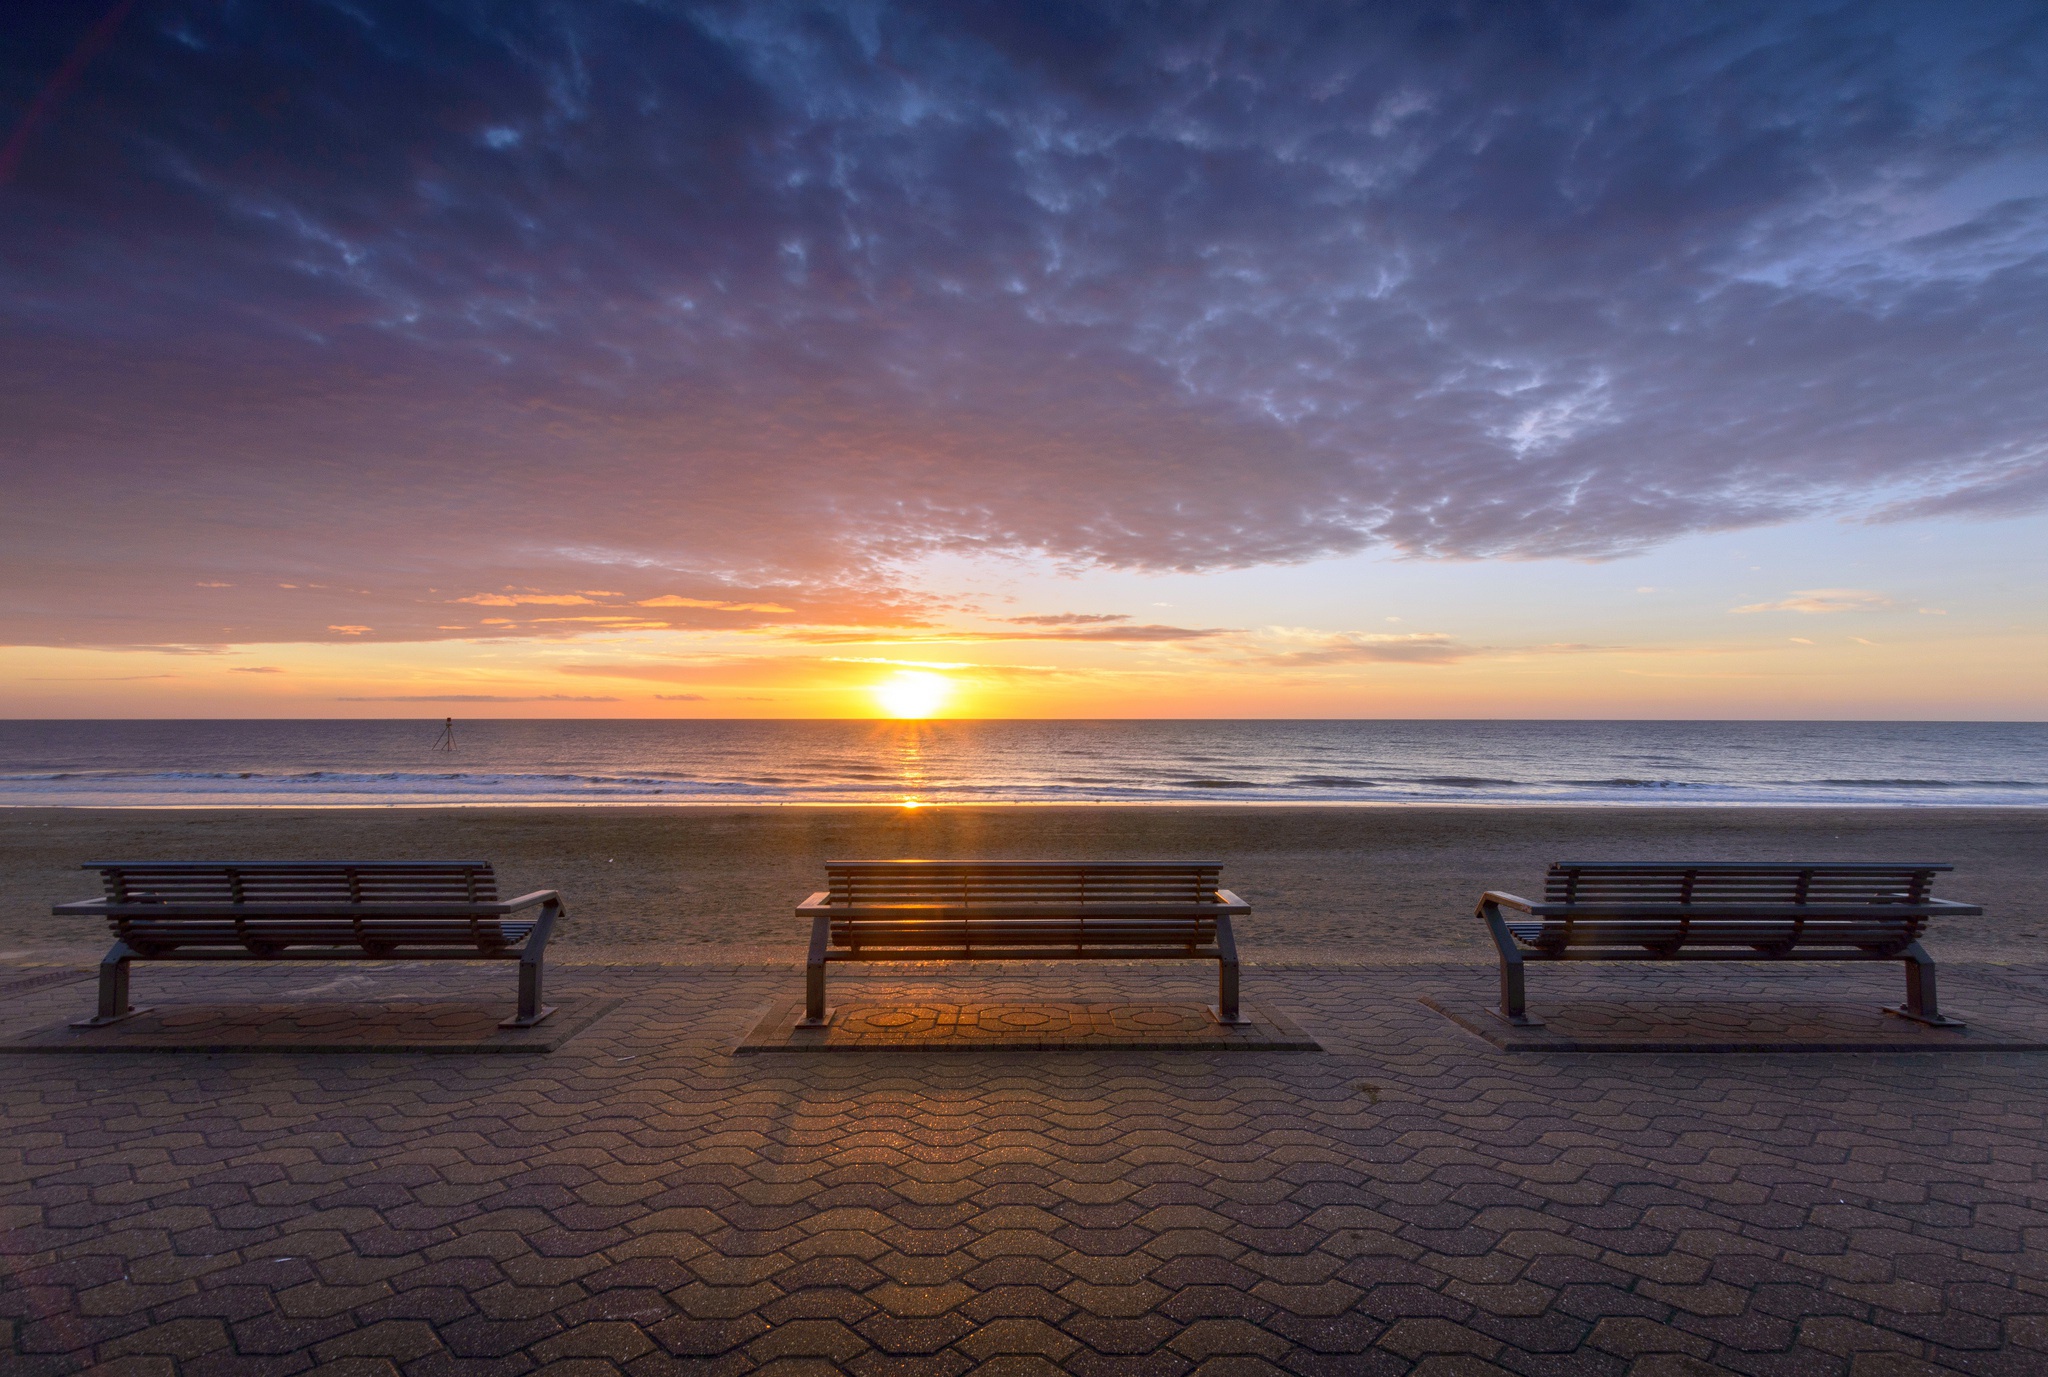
column 1041, row 1025
column 1411, row 1200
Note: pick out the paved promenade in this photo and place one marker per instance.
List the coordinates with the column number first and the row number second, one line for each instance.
column 1411, row 1199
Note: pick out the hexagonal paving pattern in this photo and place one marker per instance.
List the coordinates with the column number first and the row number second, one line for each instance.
column 1412, row 1200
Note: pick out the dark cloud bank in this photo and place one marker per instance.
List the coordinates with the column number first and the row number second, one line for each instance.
column 406, row 302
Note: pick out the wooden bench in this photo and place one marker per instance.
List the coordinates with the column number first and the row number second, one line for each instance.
column 1022, row 911
column 1725, row 911
column 314, row 911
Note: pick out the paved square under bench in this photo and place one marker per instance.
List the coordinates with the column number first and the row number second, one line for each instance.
column 406, row 1025
column 931, row 1026
column 1803, row 1024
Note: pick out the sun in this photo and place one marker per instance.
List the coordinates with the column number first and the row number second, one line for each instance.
column 913, row 693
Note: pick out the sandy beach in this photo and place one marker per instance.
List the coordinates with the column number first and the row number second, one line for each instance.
column 1328, row 885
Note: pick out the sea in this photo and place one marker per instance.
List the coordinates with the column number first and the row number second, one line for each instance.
column 414, row 762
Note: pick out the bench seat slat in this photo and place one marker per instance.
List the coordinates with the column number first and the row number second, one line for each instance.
column 250, row 882
column 373, row 911
column 922, row 912
column 164, row 904
column 975, row 934
column 1022, row 910
column 1026, row 953
column 1722, row 934
column 1723, row 911
column 1604, row 909
column 314, row 911
column 269, row 925
column 854, row 884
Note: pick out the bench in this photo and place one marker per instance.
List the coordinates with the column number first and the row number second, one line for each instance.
column 1725, row 911
column 314, row 911
column 1022, row 911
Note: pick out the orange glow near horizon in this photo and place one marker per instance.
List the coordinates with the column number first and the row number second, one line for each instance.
column 913, row 693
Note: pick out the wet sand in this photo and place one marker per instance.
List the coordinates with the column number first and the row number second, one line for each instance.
column 1327, row 885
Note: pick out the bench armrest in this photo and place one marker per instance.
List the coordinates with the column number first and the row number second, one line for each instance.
column 1227, row 902
column 94, row 908
column 1506, row 900
column 821, row 902
column 539, row 896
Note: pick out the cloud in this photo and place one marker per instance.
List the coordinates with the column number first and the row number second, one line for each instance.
column 475, row 698
column 1816, row 601
column 528, row 597
column 671, row 600
column 1999, row 485
column 788, row 299
column 523, row 599
column 1079, row 633
column 771, row 671
column 1069, row 619
column 255, row 669
column 726, row 669
column 1351, row 647
column 1414, row 648
column 680, row 697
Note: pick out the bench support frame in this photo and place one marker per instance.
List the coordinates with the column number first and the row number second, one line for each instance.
column 531, row 952
column 1227, row 1009
column 115, row 967
column 114, row 1005
column 1922, row 1004
column 816, row 1015
column 1514, row 990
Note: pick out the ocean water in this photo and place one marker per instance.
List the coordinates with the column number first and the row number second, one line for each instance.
column 297, row 763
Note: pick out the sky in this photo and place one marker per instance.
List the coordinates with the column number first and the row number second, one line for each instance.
column 1042, row 359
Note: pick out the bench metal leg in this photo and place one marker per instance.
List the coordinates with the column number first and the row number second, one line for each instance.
column 1514, row 993
column 1225, row 1010
column 531, row 1010
column 816, row 1015
column 114, row 1005
column 1922, row 1005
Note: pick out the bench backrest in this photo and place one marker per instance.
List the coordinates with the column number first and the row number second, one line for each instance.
column 1022, row 882
column 1735, row 883
column 297, row 882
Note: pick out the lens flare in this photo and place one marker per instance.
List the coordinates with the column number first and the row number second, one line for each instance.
column 913, row 693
